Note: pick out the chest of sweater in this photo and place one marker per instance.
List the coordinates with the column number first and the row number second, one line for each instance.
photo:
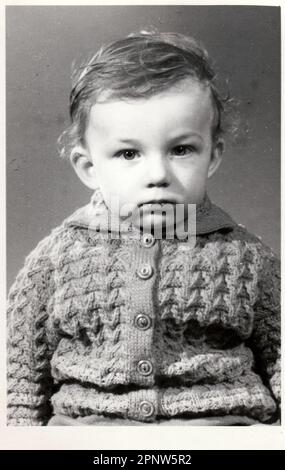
column 109, row 289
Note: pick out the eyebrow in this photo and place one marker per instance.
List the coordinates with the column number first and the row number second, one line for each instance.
column 128, row 141
column 177, row 138
column 185, row 136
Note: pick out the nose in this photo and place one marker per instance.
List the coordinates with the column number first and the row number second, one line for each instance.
column 158, row 171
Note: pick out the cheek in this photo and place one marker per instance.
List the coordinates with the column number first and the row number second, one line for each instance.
column 114, row 184
column 105, row 173
column 192, row 174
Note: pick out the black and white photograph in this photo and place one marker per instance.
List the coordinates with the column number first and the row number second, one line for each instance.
column 143, row 199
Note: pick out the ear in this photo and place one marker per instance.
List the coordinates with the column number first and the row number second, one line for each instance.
column 83, row 166
column 216, row 157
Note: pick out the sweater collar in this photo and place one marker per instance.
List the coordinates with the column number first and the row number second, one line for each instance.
column 209, row 217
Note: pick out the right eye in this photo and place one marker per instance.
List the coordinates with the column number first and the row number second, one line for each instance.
column 127, row 154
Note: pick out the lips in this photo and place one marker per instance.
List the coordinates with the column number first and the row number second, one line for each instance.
column 157, row 201
column 165, row 208
column 159, row 213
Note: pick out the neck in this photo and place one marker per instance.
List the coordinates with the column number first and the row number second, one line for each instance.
column 195, row 215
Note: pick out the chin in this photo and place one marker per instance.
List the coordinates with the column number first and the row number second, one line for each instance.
column 158, row 225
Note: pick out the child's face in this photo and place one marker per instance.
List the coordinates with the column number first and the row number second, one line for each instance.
column 158, row 148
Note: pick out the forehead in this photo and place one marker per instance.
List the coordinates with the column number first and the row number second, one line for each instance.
column 187, row 105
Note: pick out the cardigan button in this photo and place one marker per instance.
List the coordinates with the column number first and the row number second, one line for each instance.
column 148, row 240
column 145, row 271
column 145, row 367
column 143, row 321
column 146, row 409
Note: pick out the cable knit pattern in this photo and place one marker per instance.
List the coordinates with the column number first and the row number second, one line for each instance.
column 145, row 329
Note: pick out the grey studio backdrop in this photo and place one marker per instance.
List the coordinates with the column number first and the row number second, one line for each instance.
column 42, row 42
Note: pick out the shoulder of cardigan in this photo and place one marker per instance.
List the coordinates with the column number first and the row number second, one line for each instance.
column 209, row 217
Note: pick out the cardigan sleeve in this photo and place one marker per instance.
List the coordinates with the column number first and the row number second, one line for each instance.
column 266, row 336
column 28, row 373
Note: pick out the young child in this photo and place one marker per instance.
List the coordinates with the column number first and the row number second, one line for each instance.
column 110, row 328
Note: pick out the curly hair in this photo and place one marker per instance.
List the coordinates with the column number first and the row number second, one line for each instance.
column 141, row 65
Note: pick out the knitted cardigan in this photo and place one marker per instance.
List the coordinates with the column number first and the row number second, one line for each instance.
column 145, row 329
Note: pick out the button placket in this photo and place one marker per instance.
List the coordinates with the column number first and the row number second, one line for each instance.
column 142, row 310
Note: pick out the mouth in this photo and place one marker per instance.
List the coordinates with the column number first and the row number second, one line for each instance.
column 158, row 209
column 161, row 214
column 157, row 201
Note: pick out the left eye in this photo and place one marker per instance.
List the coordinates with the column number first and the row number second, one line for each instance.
column 181, row 150
column 127, row 154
